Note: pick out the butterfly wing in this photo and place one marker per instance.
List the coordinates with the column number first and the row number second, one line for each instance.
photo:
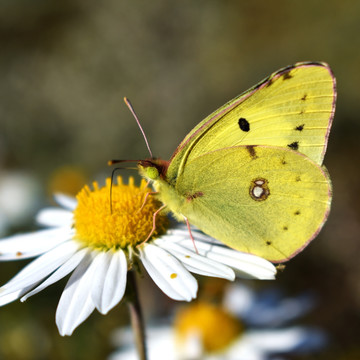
column 267, row 201
column 292, row 108
column 236, row 177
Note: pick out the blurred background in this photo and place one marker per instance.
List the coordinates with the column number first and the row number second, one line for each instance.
column 64, row 70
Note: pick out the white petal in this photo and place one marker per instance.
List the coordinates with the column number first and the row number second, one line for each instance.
column 75, row 304
column 67, row 202
column 182, row 233
column 168, row 273
column 40, row 268
column 109, row 282
column 32, row 244
column 196, row 263
column 245, row 265
column 54, row 217
column 61, row 272
column 6, row 299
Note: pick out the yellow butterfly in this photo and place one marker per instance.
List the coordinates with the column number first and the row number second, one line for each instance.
column 251, row 174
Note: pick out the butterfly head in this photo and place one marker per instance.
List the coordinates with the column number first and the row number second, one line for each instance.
column 153, row 169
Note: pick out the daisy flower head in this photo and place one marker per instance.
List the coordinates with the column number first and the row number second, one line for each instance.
column 205, row 331
column 99, row 240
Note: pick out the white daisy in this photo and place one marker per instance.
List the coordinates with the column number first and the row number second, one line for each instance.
column 99, row 243
column 204, row 331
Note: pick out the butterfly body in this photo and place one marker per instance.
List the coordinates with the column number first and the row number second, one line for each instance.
column 251, row 173
column 155, row 171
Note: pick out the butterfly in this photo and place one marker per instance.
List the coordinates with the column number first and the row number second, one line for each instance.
column 251, row 174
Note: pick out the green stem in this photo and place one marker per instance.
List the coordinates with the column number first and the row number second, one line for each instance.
column 137, row 320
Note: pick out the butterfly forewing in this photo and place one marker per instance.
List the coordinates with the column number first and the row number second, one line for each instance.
column 293, row 108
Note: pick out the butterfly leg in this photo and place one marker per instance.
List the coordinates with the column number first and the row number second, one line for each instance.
column 191, row 237
column 154, row 225
column 145, row 199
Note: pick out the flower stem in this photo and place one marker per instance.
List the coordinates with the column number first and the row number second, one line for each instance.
column 137, row 320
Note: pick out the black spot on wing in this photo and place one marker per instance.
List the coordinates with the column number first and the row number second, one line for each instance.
column 294, row 145
column 300, row 127
column 244, row 124
column 285, row 228
column 251, row 150
column 268, row 242
column 197, row 194
column 287, row 75
column 297, row 212
column 304, row 97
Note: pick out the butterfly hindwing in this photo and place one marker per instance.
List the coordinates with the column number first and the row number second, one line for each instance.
column 271, row 204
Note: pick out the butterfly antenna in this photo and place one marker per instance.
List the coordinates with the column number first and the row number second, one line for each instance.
column 112, row 182
column 112, row 162
column 111, row 186
column 128, row 104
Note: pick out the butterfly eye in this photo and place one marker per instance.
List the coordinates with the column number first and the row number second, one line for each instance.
column 152, row 173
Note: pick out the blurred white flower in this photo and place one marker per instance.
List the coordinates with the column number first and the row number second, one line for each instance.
column 19, row 199
column 203, row 331
column 99, row 240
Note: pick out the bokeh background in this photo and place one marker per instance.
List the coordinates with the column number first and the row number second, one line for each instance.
column 64, row 69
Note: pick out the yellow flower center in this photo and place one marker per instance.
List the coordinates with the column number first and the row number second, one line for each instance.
column 125, row 221
column 212, row 326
